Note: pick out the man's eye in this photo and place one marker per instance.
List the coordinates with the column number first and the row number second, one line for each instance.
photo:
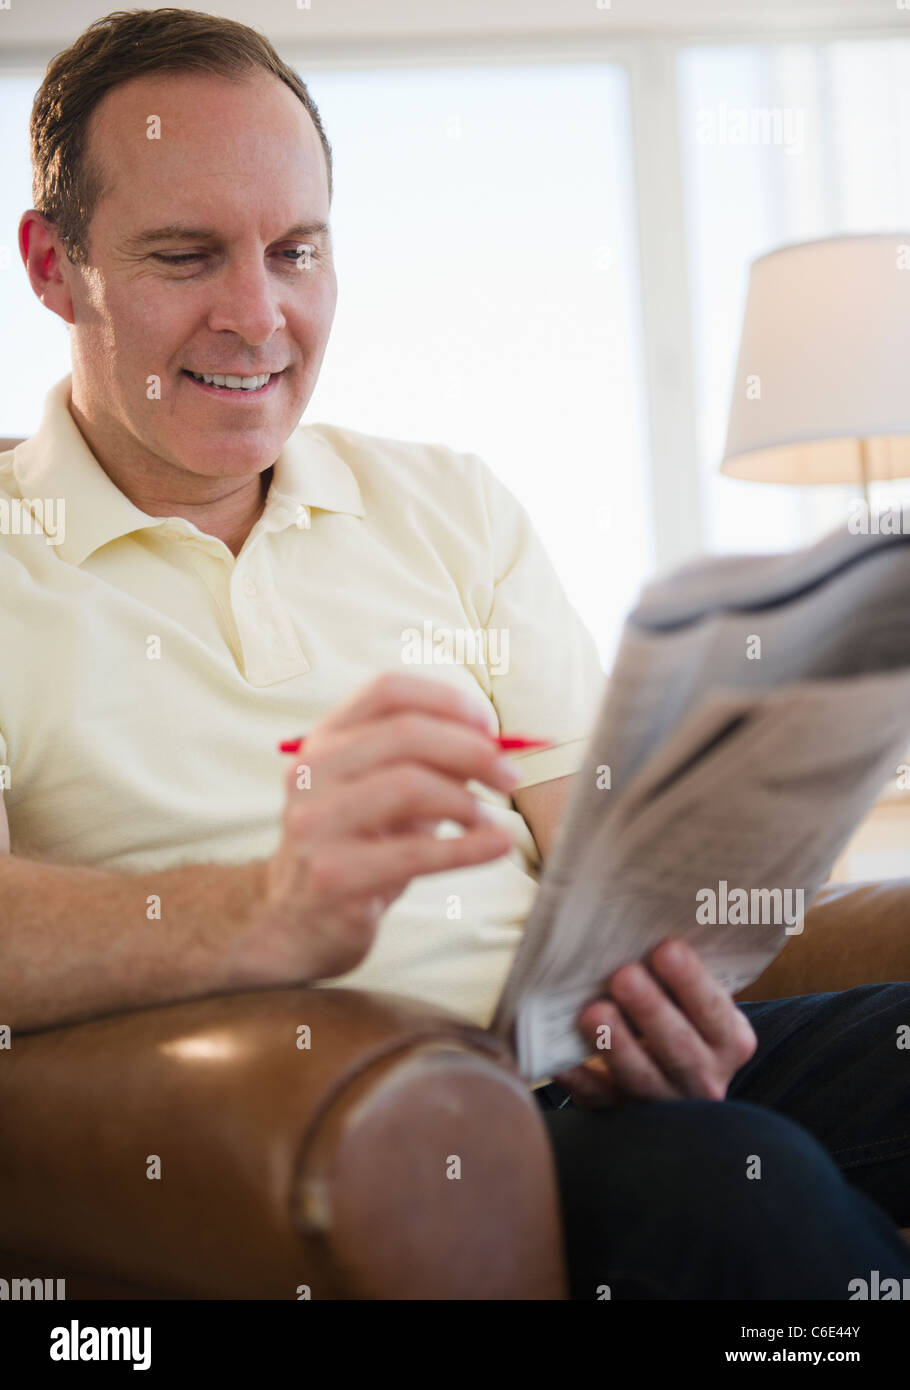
column 300, row 254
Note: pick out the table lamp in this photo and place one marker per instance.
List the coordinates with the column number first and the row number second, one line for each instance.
column 822, row 386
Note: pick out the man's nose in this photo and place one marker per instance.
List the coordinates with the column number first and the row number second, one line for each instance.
column 247, row 301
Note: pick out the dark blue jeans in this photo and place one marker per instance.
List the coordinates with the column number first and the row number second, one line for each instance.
column 791, row 1188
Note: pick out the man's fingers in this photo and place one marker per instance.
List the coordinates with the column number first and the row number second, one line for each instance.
column 704, row 1001
column 675, row 1032
column 590, row 1083
column 343, row 869
column 632, row 1070
column 385, row 798
column 396, row 692
column 677, row 1048
column 462, row 752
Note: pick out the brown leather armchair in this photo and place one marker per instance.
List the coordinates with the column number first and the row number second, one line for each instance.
column 398, row 1156
column 854, row 934
column 331, row 1166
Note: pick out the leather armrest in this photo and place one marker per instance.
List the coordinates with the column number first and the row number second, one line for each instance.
column 399, row 1155
column 853, row 934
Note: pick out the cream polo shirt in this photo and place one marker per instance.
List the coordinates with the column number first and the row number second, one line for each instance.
column 146, row 674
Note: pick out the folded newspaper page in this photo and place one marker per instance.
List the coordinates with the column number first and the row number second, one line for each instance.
column 756, row 708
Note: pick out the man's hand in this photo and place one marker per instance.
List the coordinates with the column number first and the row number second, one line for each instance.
column 379, row 774
column 675, row 1034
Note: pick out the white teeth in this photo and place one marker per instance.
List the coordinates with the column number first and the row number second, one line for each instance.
column 235, row 383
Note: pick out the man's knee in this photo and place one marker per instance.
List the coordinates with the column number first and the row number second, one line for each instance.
column 692, row 1166
column 693, row 1147
column 724, row 1161
column 708, row 1195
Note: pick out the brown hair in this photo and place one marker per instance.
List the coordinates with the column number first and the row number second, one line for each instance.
column 66, row 185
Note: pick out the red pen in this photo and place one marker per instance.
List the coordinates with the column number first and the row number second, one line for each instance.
column 294, row 745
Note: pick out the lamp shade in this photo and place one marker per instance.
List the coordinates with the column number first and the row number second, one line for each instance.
column 822, row 386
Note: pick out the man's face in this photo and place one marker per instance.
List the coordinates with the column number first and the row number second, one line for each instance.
column 244, row 162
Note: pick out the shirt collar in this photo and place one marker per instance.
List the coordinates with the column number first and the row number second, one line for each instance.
column 56, row 462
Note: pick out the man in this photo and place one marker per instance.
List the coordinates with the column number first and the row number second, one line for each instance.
column 224, row 580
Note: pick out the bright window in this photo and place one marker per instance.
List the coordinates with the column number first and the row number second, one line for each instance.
column 488, row 295
column 835, row 159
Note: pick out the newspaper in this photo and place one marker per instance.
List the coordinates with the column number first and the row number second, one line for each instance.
column 756, row 709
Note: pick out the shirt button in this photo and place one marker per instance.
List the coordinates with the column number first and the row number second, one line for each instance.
column 249, row 588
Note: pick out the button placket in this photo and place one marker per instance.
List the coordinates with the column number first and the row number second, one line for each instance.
column 272, row 651
column 217, row 586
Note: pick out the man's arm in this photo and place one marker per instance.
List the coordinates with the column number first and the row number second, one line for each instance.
column 542, row 807
column 77, row 942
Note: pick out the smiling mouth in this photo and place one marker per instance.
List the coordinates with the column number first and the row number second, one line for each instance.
column 246, row 385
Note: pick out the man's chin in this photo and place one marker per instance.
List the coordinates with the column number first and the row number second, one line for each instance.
column 211, row 411
column 228, row 447
column 227, row 462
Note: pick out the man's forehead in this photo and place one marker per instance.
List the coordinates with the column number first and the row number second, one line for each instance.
column 253, row 119
column 198, row 131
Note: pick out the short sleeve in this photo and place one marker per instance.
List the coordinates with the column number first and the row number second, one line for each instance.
column 551, row 683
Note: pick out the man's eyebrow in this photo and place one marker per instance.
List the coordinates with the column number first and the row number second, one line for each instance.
column 181, row 231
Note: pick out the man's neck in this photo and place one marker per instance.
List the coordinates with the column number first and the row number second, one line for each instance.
column 227, row 508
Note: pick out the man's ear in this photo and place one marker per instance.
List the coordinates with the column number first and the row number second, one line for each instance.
column 44, row 257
